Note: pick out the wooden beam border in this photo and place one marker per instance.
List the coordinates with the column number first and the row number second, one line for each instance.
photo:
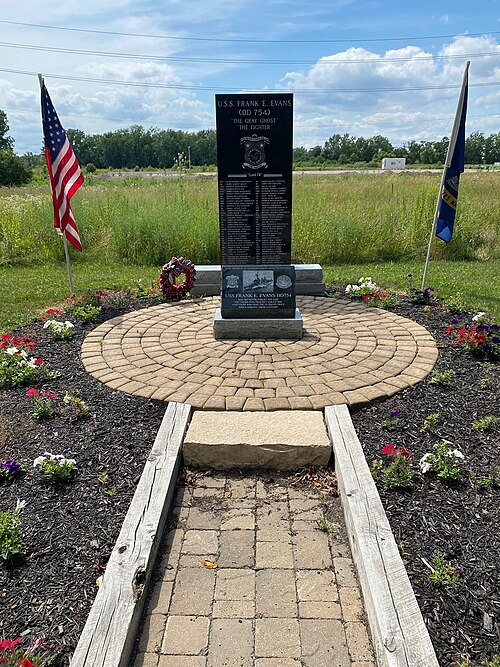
column 109, row 634
column 399, row 635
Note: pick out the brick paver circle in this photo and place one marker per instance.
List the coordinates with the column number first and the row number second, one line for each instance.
column 350, row 353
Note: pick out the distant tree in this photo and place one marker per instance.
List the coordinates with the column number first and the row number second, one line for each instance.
column 32, row 160
column 475, row 148
column 301, row 154
column 492, row 148
column 13, row 171
column 5, row 141
column 203, row 147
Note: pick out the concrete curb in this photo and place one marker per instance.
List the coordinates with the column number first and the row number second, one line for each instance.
column 109, row 634
column 399, row 635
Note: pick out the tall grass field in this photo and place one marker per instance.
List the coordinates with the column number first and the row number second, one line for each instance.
column 341, row 219
column 353, row 225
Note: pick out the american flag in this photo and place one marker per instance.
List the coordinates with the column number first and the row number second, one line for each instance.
column 64, row 171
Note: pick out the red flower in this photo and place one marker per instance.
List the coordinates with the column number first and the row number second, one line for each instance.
column 32, row 392
column 450, row 329
column 53, row 311
column 404, row 452
column 9, row 644
column 365, row 297
column 26, row 663
column 6, row 337
column 48, row 394
column 3, row 344
column 39, row 361
column 16, row 342
column 389, row 450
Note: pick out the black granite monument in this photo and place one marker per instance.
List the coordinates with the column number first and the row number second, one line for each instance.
column 254, row 161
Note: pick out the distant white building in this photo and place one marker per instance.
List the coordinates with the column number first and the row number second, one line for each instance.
column 393, row 163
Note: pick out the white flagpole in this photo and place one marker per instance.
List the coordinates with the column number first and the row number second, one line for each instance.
column 449, row 155
column 65, row 243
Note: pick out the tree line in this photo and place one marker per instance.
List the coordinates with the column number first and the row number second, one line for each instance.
column 13, row 169
column 139, row 148
column 346, row 149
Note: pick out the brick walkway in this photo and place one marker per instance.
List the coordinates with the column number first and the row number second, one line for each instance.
column 350, row 353
column 284, row 593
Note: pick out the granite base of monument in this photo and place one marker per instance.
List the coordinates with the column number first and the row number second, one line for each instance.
column 309, row 280
column 259, row 328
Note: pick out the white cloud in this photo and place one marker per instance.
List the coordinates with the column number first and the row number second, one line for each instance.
column 346, row 91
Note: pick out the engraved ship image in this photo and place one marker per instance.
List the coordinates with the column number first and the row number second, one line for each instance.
column 259, row 284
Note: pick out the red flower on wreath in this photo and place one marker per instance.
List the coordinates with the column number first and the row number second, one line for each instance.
column 170, row 272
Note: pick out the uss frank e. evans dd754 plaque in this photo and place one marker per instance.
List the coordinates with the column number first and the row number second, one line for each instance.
column 254, row 162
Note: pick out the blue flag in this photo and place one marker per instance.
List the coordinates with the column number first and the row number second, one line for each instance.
column 453, row 169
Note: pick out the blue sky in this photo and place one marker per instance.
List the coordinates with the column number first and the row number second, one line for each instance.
column 364, row 67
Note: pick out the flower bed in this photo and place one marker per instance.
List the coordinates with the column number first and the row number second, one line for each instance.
column 447, row 527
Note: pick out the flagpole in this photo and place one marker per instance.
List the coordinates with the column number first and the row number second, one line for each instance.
column 449, row 155
column 65, row 243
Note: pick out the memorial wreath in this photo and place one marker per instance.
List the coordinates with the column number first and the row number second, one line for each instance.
column 170, row 272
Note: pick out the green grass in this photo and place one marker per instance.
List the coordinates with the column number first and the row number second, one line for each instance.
column 353, row 225
column 472, row 284
column 27, row 290
column 336, row 220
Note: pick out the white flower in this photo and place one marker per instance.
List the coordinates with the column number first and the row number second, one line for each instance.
column 458, row 454
column 12, row 350
column 31, row 362
column 40, row 460
column 425, row 462
column 49, row 323
column 478, row 316
column 352, row 288
column 20, row 505
column 70, row 325
column 70, row 462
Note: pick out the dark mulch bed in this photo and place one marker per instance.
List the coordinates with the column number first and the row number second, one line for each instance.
column 460, row 519
column 69, row 530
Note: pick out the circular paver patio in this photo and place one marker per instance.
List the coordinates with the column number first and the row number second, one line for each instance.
column 350, row 353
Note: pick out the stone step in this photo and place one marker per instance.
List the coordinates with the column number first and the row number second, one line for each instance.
column 282, row 440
